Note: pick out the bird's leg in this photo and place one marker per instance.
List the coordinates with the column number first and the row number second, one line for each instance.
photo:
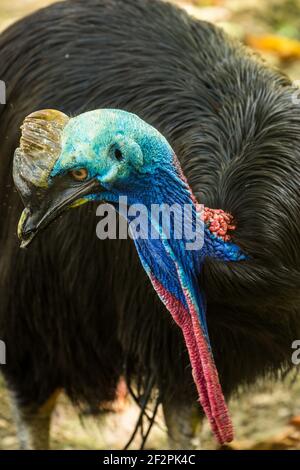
column 33, row 424
column 184, row 424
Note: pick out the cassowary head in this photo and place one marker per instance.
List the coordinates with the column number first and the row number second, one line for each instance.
column 99, row 155
column 102, row 155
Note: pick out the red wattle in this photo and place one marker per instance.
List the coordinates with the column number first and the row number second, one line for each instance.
column 203, row 367
column 215, row 395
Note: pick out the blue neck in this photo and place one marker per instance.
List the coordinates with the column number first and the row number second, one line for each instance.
column 166, row 187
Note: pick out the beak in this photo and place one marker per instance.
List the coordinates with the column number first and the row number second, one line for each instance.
column 49, row 204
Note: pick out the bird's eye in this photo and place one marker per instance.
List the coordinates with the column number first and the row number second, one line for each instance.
column 79, row 174
column 118, row 154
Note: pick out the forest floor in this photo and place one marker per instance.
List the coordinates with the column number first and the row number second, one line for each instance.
column 267, row 416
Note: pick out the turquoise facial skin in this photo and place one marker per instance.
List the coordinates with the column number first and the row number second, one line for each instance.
column 114, row 146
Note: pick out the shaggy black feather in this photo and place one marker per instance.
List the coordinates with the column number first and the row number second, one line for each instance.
column 76, row 311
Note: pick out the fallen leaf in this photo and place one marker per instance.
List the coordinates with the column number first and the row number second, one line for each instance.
column 283, row 47
column 295, row 421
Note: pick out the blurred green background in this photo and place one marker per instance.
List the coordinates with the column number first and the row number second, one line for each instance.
column 267, row 416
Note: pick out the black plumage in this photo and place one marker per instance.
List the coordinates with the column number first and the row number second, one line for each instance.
column 76, row 312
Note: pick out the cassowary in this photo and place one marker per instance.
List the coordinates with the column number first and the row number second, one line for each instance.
column 107, row 155
column 77, row 313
